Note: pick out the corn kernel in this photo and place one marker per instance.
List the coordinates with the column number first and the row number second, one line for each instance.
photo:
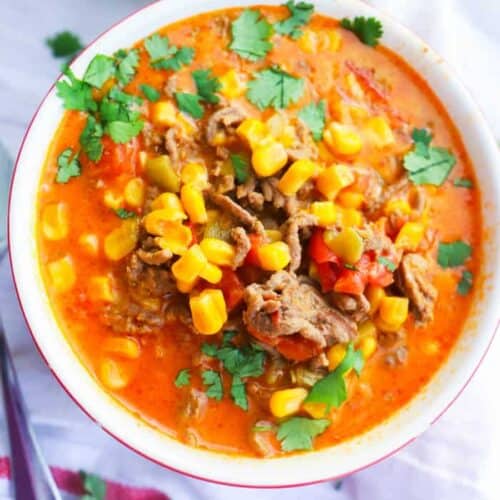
column 160, row 171
column 186, row 124
column 122, row 240
column 89, row 243
column 354, row 87
column 274, row 235
column 189, row 266
column 164, row 113
column 325, row 212
column 368, row 346
column 113, row 374
column 357, row 113
column 113, row 200
column 218, row 252
column 268, row 159
column 393, row 312
column 211, row 273
column 232, row 85
column 335, row 356
column 274, row 256
column 186, row 286
column 134, row 192
column 296, row 176
column 342, row 139
column 194, row 204
column 170, row 202
column 349, row 217
column 125, row 347
column 208, row 310
column 286, row 402
column 175, row 237
column 333, row 179
column 374, row 294
column 431, row 347
column 315, row 410
column 347, row 244
column 308, row 42
column 101, row 289
column 55, row 221
column 62, row 274
column 397, row 206
column 350, row 199
column 367, row 329
column 333, row 40
column 324, row 153
column 253, row 131
column 195, row 174
column 143, row 158
column 379, row 132
column 281, row 130
column 410, row 235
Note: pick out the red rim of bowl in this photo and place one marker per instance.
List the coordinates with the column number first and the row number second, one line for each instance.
column 109, row 432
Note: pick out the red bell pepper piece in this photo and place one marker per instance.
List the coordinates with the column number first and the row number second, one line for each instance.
column 318, row 249
column 297, row 348
column 349, row 281
column 232, row 288
column 328, row 275
column 252, row 258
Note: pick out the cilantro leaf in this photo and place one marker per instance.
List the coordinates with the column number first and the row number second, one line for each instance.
column 99, row 71
column 465, row 283
column 212, row 379
column 453, row 254
column 274, row 88
column 64, row 44
column 297, row 433
column 250, row 35
column 206, row 85
column 300, row 14
column 119, row 106
column 94, row 486
column 125, row 214
column 166, row 56
column 331, row 390
column 388, row 264
column 427, row 164
column 189, row 103
column 209, row 349
column 367, row 29
column 122, row 132
column 183, row 378
column 90, row 139
column 126, row 65
column 464, row 183
column 150, row 93
column 239, row 393
column 74, row 93
column 68, row 166
column 314, row 116
column 241, row 167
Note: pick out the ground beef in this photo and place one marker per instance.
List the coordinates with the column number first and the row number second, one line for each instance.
column 285, row 305
column 277, row 199
column 247, row 191
column 291, row 230
column 225, row 119
column 153, row 139
column 243, row 245
column 154, row 258
column 414, row 280
column 356, row 307
column 304, row 147
column 179, row 146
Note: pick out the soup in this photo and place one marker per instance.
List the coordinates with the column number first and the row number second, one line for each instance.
column 258, row 228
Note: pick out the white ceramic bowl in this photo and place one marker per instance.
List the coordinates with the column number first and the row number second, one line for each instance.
column 337, row 461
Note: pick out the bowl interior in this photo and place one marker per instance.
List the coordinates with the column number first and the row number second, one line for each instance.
column 293, row 470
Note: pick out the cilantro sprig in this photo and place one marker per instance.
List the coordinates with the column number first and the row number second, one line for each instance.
column 463, row 182
column 453, row 254
column 241, row 167
column 68, row 166
column 75, row 94
column 90, row 139
column 368, row 29
column 213, row 381
column 300, row 14
column 123, row 213
column 183, row 378
column 314, row 116
column 465, row 284
column 297, row 433
column 126, row 62
column 64, row 44
column 206, row 85
column 163, row 55
column 150, row 93
column 189, row 103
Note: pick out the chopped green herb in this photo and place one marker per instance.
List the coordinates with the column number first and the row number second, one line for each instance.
column 166, row 56
column 213, row 381
column 74, row 93
column 125, row 214
column 352, row 267
column 123, row 132
column 239, row 393
column 389, row 265
column 241, row 167
column 99, row 71
column 465, row 283
column 189, row 103
column 368, row 29
column 127, row 62
column 64, row 44
column 206, row 85
column 228, row 335
column 150, row 93
column 297, row 433
column 68, row 166
column 314, row 116
column 453, row 254
column 94, row 486
column 183, row 378
column 427, row 164
column 90, row 139
column 331, row 390
column 300, row 14
column 274, row 88
column 250, row 35
column 464, row 183
column 119, row 106
column 209, row 349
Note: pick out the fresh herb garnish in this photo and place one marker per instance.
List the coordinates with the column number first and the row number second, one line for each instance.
column 122, row 132
column 351, row 267
column 250, row 35
column 166, row 56
column 183, row 378
column 68, row 166
column 150, row 93
column 314, row 116
column 206, row 85
column 94, row 486
column 368, row 29
column 90, row 139
column 300, row 14
column 189, row 103
column 75, row 93
column 388, row 264
column 241, row 167
column 213, row 381
column 126, row 65
column 464, row 183
column 453, row 254
column 125, row 214
column 274, row 88
column 99, row 71
column 331, row 390
column 64, row 44
column 427, row 164
column 297, row 433
column 465, row 283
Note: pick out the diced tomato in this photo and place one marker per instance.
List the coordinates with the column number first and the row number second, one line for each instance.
column 118, row 158
column 297, row 348
column 232, row 288
column 252, row 258
column 328, row 275
column 318, row 250
column 351, row 282
column 374, row 272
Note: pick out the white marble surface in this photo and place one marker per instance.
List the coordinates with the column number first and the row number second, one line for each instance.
column 458, row 458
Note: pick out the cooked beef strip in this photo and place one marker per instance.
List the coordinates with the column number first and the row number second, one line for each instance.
column 224, row 119
column 301, row 309
column 243, row 245
column 274, row 196
column 356, row 307
column 413, row 279
column 291, row 230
